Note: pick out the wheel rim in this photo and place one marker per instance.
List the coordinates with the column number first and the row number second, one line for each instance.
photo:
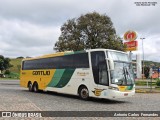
column 30, row 87
column 35, row 88
column 84, row 93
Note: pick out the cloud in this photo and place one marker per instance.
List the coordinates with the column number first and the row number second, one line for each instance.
column 43, row 12
column 30, row 28
column 23, row 37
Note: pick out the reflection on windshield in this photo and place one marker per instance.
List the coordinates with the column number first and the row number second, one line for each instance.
column 122, row 74
column 118, row 56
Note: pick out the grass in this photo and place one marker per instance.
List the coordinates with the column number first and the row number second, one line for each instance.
column 144, row 83
column 157, row 88
column 13, row 75
column 147, row 90
column 14, row 70
column 16, row 65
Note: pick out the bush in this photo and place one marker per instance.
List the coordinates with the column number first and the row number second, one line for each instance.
column 20, row 57
column 7, row 72
column 158, row 83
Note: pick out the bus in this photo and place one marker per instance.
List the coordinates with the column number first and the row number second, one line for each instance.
column 98, row 73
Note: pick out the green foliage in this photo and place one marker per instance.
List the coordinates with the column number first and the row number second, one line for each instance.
column 144, row 83
column 16, row 65
column 20, row 57
column 4, row 63
column 14, row 71
column 158, row 83
column 7, row 72
column 146, row 71
column 12, row 75
column 148, row 63
column 88, row 32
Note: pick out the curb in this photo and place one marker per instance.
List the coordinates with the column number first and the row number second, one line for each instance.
column 146, row 91
column 141, row 91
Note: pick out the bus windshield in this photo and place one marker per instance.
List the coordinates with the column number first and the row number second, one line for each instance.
column 122, row 73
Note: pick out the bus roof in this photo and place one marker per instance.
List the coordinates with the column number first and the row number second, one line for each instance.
column 70, row 52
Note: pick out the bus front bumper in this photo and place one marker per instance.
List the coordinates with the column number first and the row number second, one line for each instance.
column 113, row 94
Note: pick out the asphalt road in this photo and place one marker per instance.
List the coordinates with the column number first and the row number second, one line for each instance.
column 14, row 97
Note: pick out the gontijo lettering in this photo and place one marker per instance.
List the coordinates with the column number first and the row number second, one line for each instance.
column 41, row 73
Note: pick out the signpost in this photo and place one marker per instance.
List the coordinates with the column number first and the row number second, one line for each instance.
column 130, row 37
column 132, row 45
column 150, row 75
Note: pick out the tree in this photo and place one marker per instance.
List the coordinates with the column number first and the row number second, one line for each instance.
column 21, row 57
column 146, row 71
column 4, row 63
column 88, row 32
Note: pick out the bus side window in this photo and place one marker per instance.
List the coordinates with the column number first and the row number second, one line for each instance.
column 24, row 65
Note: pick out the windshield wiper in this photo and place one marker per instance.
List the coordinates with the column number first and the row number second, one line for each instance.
column 124, row 73
column 128, row 76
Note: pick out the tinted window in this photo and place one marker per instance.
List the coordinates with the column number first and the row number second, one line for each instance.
column 99, row 67
column 103, row 74
column 67, row 61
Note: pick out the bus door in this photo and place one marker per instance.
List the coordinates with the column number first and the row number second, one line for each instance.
column 99, row 68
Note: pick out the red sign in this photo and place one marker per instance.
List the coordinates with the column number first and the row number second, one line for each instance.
column 130, row 35
column 131, row 46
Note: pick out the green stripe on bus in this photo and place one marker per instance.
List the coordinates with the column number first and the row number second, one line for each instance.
column 68, row 53
column 129, row 87
column 56, row 78
column 65, row 78
column 76, row 52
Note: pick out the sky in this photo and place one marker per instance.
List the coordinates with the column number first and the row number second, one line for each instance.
column 31, row 27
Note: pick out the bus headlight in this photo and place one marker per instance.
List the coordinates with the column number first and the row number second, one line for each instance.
column 113, row 88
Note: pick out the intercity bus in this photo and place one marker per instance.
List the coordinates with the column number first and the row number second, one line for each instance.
column 99, row 73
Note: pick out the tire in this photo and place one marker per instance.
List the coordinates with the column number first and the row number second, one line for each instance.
column 83, row 93
column 35, row 87
column 30, row 88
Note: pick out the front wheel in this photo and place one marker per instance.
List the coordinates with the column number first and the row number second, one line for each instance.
column 83, row 93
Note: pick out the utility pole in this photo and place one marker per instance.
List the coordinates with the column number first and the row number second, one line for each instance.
column 143, row 58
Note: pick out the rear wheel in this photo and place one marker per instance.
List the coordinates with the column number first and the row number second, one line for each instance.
column 30, row 87
column 83, row 93
column 35, row 87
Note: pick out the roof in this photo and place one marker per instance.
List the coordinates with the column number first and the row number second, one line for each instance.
column 69, row 52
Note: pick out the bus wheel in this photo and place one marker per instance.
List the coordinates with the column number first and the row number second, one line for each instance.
column 30, row 87
column 35, row 87
column 83, row 93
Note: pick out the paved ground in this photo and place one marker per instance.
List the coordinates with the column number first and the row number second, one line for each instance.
column 15, row 98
